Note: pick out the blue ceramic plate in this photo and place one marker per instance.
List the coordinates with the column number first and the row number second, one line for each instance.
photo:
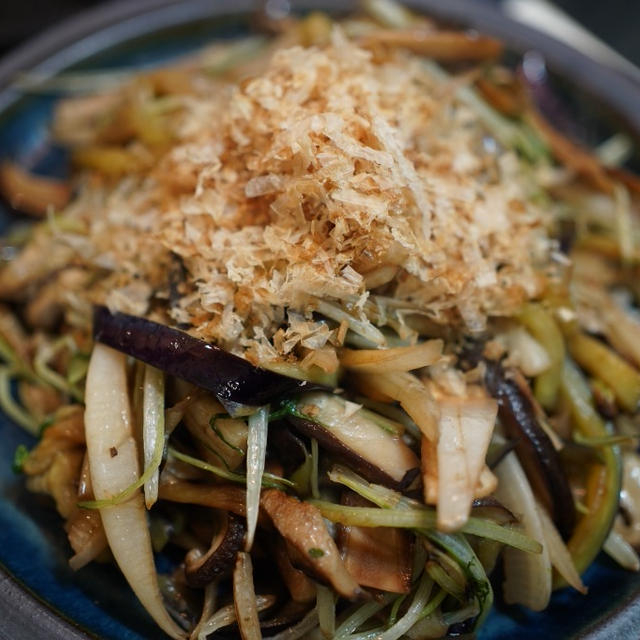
column 40, row 597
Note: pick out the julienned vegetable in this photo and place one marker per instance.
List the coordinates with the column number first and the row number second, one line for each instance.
column 113, row 459
column 535, row 449
column 307, row 300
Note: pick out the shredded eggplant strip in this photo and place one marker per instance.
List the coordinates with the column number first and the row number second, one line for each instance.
column 313, row 480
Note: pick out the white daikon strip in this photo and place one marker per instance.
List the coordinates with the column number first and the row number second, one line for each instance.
column 227, row 615
column 558, row 553
column 527, row 576
column 465, row 426
column 525, row 352
column 410, row 392
column 113, row 459
column 256, row 453
column 621, row 551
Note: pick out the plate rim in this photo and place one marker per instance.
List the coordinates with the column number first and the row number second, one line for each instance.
column 24, row 614
column 18, row 604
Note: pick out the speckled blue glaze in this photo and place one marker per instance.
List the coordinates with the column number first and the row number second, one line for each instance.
column 33, row 549
column 33, row 546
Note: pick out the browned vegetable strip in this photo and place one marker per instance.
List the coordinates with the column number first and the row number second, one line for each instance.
column 84, row 526
column 396, row 359
column 54, row 465
column 29, row 268
column 439, row 45
column 244, row 598
column 309, row 543
column 504, row 99
column 301, row 588
column 12, row 332
column 227, row 497
column 80, row 120
column 627, row 178
column 109, row 160
column 377, row 557
column 571, row 154
column 429, row 467
column 31, row 193
column 86, row 537
column 45, row 310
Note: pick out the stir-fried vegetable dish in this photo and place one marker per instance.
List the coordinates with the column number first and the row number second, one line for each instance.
column 338, row 319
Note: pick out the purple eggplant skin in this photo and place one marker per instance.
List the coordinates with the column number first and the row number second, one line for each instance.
column 229, row 377
column 286, row 446
column 533, row 447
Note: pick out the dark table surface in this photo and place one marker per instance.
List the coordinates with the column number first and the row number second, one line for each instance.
column 617, row 22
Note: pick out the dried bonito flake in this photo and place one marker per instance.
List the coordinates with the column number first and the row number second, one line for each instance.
column 298, row 183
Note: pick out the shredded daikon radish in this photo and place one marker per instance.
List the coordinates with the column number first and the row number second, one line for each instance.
column 113, row 460
column 527, row 576
column 558, row 552
column 256, row 452
column 465, row 428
